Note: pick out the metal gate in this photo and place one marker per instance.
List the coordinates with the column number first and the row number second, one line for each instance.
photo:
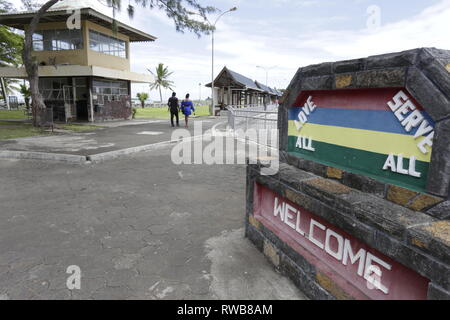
column 69, row 103
column 262, row 120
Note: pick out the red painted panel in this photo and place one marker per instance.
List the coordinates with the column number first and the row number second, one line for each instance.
column 331, row 250
column 361, row 99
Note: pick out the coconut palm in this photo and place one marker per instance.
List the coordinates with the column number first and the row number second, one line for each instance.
column 26, row 93
column 161, row 75
column 142, row 96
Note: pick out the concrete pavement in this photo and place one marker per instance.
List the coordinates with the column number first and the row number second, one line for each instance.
column 138, row 227
column 116, row 136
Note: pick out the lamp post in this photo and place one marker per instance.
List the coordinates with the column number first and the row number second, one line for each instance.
column 213, row 27
column 266, row 69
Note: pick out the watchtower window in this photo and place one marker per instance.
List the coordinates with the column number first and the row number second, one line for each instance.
column 56, row 40
column 105, row 44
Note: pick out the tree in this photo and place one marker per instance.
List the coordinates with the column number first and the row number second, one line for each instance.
column 161, row 75
column 31, row 4
column 26, row 93
column 142, row 96
column 182, row 12
column 11, row 45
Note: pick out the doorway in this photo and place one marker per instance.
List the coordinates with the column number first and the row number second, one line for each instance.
column 81, row 98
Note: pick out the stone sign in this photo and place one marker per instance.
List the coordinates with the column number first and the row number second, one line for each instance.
column 382, row 133
column 376, row 117
column 360, row 206
column 360, row 269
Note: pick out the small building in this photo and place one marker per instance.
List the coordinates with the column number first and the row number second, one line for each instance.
column 84, row 73
column 234, row 89
column 271, row 96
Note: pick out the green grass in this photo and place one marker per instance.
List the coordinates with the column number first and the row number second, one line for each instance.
column 12, row 114
column 78, row 127
column 13, row 130
column 163, row 113
column 17, row 129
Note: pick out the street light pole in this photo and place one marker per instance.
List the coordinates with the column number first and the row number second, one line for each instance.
column 211, row 110
column 266, row 69
column 213, row 27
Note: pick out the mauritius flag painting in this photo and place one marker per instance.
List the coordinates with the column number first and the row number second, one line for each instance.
column 381, row 133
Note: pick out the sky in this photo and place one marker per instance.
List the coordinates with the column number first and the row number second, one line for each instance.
column 282, row 35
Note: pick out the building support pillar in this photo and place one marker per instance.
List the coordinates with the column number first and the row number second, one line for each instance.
column 91, row 101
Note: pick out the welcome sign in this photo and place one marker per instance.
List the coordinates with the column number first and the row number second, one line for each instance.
column 361, row 271
column 381, row 133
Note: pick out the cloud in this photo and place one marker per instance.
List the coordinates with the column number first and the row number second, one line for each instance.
column 427, row 29
column 278, row 32
column 244, row 50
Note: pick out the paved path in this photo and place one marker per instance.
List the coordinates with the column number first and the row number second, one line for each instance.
column 139, row 227
column 117, row 135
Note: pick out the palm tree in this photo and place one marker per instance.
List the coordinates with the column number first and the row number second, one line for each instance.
column 161, row 75
column 142, row 96
column 26, row 93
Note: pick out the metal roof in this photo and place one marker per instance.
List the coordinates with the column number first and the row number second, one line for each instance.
column 243, row 79
column 231, row 78
column 263, row 87
column 18, row 20
column 269, row 90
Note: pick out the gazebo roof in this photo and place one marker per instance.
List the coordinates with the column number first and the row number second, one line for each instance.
column 229, row 78
column 267, row 89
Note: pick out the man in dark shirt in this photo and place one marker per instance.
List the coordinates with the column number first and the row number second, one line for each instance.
column 174, row 108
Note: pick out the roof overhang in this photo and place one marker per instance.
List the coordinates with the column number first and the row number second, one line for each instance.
column 242, row 88
column 78, row 71
column 18, row 20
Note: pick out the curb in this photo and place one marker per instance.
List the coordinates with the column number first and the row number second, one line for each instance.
column 96, row 158
column 7, row 154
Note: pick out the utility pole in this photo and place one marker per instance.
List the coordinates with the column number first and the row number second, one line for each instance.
column 213, row 28
column 266, row 69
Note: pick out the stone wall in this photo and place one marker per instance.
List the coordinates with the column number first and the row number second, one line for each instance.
column 425, row 74
column 410, row 227
column 414, row 239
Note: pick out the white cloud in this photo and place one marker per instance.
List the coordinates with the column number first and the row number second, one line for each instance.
column 244, row 50
column 244, row 41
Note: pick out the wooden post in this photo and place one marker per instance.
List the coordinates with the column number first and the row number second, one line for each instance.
column 5, row 93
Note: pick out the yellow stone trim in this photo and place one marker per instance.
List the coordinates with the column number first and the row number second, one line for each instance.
column 400, row 195
column 271, row 253
column 419, row 243
column 329, row 285
column 329, row 186
column 334, row 173
column 441, row 230
column 448, row 67
column 252, row 220
column 343, row 81
column 424, row 201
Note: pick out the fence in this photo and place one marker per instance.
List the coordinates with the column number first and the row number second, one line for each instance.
column 260, row 119
column 137, row 104
column 47, row 118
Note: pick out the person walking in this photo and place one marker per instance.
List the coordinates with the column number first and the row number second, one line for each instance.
column 174, row 109
column 187, row 107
